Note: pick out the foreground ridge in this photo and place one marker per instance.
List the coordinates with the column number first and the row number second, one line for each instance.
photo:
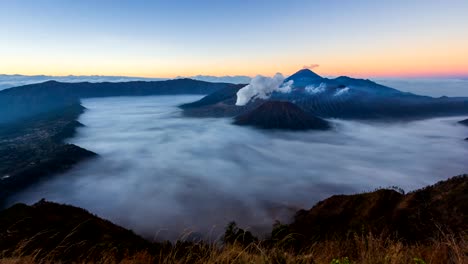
column 426, row 224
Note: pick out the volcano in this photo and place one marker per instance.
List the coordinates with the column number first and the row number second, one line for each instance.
column 342, row 97
column 304, row 77
column 281, row 115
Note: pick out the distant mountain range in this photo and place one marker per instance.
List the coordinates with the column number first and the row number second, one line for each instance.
column 29, row 100
column 14, row 80
column 236, row 79
column 342, row 97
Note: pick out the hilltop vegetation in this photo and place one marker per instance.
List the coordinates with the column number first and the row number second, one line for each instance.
column 357, row 228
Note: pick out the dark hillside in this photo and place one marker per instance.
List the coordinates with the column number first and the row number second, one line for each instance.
column 33, row 148
column 417, row 216
column 374, row 227
column 61, row 232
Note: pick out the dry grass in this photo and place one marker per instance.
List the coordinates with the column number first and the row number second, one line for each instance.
column 359, row 249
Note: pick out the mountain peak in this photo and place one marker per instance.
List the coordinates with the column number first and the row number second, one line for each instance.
column 306, row 73
column 304, row 77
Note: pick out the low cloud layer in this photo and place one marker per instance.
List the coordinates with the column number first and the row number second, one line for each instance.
column 262, row 87
column 430, row 87
column 164, row 175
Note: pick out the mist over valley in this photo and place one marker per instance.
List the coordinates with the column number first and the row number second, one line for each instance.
column 163, row 174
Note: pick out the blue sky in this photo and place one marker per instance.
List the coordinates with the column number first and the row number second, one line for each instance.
column 171, row 38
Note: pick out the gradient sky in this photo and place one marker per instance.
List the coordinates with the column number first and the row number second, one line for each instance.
column 366, row 38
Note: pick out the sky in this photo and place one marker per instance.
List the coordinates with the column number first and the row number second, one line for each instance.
column 362, row 38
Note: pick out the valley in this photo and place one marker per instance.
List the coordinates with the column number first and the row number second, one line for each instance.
column 200, row 173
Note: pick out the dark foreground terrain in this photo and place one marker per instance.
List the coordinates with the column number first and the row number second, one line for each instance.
column 33, row 148
column 385, row 226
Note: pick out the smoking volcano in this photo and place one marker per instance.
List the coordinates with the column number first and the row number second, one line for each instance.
column 342, row 97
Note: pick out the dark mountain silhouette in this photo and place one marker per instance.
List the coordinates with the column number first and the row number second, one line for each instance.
column 281, row 115
column 345, row 98
column 55, row 232
column 33, row 148
column 28, row 100
column 416, row 216
column 62, row 232
column 304, row 77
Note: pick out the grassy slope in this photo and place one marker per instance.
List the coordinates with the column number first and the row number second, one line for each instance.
column 49, row 232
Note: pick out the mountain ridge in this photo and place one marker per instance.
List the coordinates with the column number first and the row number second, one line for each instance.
column 416, row 218
column 344, row 98
column 28, row 100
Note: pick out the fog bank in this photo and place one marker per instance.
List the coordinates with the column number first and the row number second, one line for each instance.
column 430, row 87
column 162, row 174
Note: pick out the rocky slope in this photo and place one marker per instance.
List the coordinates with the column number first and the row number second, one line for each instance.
column 281, row 115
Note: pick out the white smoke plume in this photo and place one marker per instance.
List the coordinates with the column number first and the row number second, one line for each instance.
column 262, row 87
column 312, row 89
column 342, row 91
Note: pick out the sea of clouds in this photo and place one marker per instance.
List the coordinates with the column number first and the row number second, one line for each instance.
column 163, row 175
column 431, row 87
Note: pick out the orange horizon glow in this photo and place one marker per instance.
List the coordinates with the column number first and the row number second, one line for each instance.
column 324, row 71
column 162, row 39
